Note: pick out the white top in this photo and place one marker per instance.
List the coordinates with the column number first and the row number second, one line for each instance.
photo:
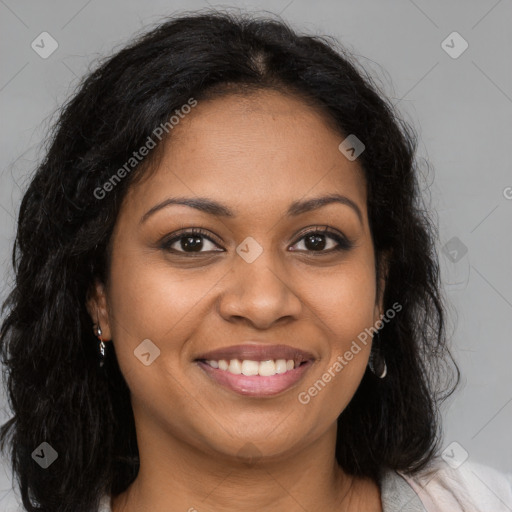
column 469, row 488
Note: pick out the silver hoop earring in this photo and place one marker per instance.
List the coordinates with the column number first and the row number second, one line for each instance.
column 377, row 363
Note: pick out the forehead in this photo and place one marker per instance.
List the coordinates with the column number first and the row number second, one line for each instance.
column 258, row 151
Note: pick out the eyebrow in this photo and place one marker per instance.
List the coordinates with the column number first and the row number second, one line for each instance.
column 217, row 209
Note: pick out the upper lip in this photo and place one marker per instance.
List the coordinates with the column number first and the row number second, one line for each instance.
column 257, row 352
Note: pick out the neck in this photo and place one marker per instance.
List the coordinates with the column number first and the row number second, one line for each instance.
column 174, row 472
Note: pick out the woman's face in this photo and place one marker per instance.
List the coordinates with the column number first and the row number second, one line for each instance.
column 247, row 283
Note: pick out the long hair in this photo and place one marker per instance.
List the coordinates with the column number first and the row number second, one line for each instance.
column 57, row 391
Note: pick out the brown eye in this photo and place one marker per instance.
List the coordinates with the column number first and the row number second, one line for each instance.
column 193, row 241
column 323, row 240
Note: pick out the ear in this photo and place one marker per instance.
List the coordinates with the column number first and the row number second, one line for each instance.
column 383, row 277
column 97, row 308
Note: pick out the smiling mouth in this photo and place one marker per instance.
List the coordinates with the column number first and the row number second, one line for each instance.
column 254, row 368
column 255, row 378
column 250, row 367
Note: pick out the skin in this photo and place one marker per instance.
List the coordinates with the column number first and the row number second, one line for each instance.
column 203, row 447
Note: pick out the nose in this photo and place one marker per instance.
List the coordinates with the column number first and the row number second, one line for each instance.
column 259, row 293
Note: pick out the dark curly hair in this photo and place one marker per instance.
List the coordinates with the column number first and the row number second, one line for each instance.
column 56, row 389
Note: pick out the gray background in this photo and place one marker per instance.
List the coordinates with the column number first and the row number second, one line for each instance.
column 461, row 108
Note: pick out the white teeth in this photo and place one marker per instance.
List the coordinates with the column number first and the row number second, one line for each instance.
column 281, row 366
column 235, row 367
column 267, row 368
column 249, row 367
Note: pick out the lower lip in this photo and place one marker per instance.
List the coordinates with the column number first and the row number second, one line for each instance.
column 256, row 385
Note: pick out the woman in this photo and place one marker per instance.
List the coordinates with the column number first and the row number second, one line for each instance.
column 227, row 295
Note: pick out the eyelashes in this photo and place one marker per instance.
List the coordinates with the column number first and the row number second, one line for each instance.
column 189, row 235
column 343, row 244
column 192, row 243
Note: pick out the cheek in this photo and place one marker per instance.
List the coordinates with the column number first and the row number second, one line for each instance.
column 345, row 304
column 151, row 300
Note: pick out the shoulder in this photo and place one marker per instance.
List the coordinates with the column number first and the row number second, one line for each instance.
column 470, row 487
column 105, row 504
